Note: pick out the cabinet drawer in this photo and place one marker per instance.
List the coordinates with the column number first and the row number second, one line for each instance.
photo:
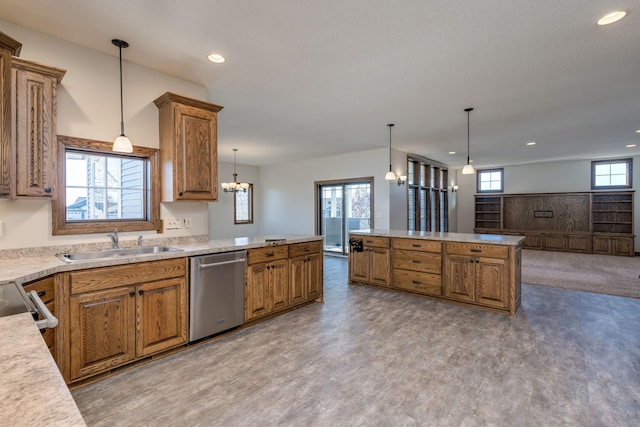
column 418, row 261
column 417, row 245
column 42, row 286
column 495, row 251
column 423, row 283
column 376, row 241
column 267, row 254
column 122, row 275
column 307, row 248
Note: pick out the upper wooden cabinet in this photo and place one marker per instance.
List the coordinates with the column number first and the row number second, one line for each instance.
column 8, row 47
column 188, row 148
column 33, row 134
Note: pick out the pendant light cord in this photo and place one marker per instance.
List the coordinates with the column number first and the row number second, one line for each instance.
column 468, row 110
column 121, row 96
column 390, row 126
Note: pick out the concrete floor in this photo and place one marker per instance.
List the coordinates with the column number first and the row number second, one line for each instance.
column 373, row 357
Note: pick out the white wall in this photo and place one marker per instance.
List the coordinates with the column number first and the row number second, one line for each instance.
column 548, row 177
column 89, row 107
column 221, row 213
column 287, row 190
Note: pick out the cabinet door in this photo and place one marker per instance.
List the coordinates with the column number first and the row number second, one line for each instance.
column 460, row 280
column 359, row 266
column 297, row 280
column 491, row 282
column 279, row 284
column 622, row 246
column 257, row 291
column 315, row 277
column 161, row 309
column 102, row 330
column 196, row 156
column 34, row 133
column 380, row 266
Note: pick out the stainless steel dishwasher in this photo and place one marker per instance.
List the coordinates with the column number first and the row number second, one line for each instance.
column 216, row 293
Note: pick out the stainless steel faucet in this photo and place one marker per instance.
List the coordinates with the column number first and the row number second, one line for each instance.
column 114, row 239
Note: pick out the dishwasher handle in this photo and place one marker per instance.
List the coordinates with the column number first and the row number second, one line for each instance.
column 214, row 264
column 49, row 321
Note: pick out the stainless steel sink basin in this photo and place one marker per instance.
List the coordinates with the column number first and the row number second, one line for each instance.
column 115, row 253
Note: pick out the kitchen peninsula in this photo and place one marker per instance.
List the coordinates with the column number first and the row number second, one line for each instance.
column 477, row 270
column 299, row 281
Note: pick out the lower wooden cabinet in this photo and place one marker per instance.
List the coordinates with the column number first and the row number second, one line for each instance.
column 372, row 263
column 122, row 313
column 483, row 278
column 305, row 278
column 613, row 245
column 417, row 266
column 267, row 288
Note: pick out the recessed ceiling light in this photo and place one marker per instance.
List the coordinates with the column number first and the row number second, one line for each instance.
column 612, row 17
column 452, row 152
column 217, row 58
column 630, row 145
column 531, row 143
column 638, row 131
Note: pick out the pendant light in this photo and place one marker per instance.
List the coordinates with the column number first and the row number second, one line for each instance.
column 468, row 169
column 235, row 186
column 390, row 176
column 122, row 144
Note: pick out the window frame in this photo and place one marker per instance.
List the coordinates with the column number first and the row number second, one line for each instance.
column 629, row 184
column 481, row 171
column 235, row 211
column 61, row 226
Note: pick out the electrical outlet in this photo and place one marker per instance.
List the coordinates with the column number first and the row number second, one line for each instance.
column 187, row 222
column 171, row 223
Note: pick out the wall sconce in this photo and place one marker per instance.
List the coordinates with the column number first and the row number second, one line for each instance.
column 454, row 188
column 401, row 180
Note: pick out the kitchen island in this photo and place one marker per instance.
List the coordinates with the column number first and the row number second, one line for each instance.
column 477, row 270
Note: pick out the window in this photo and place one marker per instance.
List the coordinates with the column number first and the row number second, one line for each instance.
column 243, row 206
column 100, row 190
column 427, row 196
column 491, row 181
column 611, row 174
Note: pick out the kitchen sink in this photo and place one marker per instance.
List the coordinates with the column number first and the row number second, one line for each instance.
column 115, row 253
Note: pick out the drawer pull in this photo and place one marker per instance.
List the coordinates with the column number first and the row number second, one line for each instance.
column 475, row 250
column 269, row 254
column 416, row 245
column 42, row 293
column 416, row 282
column 368, row 241
column 305, row 249
column 415, row 261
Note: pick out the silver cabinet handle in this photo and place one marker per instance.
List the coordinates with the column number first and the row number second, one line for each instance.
column 213, row 264
column 49, row 321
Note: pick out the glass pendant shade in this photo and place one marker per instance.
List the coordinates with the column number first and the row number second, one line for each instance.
column 468, row 170
column 390, row 176
column 122, row 144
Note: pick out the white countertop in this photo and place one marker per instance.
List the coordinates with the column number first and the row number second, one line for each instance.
column 494, row 239
column 32, row 391
column 28, row 268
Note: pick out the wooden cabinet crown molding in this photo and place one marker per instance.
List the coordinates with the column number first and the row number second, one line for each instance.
column 10, row 44
column 42, row 69
column 168, row 97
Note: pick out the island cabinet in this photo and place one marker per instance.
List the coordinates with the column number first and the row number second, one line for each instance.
column 33, row 134
column 188, row 148
column 481, row 274
column 305, row 272
column 115, row 315
column 417, row 266
column 369, row 260
column 267, row 285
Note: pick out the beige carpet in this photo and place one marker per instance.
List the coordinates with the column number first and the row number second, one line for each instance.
column 605, row 274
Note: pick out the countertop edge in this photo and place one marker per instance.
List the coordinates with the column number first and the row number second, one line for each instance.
column 493, row 239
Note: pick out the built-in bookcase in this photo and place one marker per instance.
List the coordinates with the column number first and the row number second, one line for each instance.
column 588, row 222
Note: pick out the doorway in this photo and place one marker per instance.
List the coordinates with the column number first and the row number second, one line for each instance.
column 343, row 206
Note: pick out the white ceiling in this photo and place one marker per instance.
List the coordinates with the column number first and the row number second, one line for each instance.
column 313, row 78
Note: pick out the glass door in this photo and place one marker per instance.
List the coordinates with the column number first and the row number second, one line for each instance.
column 343, row 207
